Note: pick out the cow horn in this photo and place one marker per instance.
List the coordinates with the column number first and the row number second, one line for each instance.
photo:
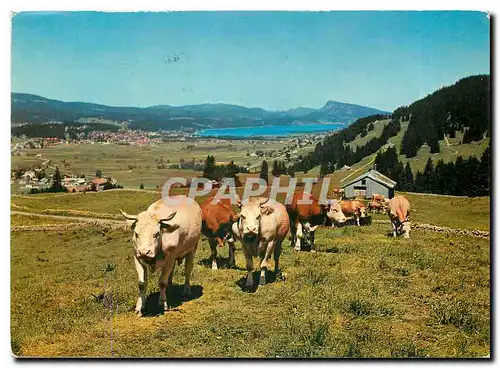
column 169, row 217
column 128, row 217
column 263, row 201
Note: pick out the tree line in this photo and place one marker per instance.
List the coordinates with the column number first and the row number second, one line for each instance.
column 334, row 152
column 216, row 172
column 60, row 130
column 464, row 106
column 464, row 177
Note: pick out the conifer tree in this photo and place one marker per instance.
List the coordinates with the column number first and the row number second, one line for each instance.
column 264, row 171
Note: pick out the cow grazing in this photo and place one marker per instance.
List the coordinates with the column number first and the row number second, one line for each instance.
column 335, row 214
column 354, row 208
column 399, row 214
column 300, row 214
column 378, row 197
column 262, row 226
column 162, row 235
column 338, row 193
column 218, row 219
column 376, row 206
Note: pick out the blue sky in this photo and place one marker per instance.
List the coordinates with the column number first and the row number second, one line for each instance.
column 273, row 60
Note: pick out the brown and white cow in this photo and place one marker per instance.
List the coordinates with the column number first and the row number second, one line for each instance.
column 338, row 193
column 378, row 197
column 218, row 218
column 162, row 235
column 376, row 206
column 262, row 226
column 335, row 214
column 354, row 208
column 399, row 214
column 305, row 218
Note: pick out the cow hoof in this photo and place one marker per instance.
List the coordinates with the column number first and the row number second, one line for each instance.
column 297, row 249
column 163, row 304
column 139, row 312
column 313, row 251
column 214, row 266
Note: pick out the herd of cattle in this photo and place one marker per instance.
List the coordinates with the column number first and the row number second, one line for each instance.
column 165, row 234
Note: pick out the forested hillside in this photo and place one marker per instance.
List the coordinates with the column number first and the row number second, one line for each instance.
column 60, row 130
column 333, row 152
column 464, row 106
column 460, row 111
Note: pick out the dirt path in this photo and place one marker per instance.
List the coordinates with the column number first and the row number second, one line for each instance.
column 362, row 167
column 74, row 218
column 455, row 152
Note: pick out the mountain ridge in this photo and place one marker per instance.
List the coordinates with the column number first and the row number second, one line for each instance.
column 31, row 108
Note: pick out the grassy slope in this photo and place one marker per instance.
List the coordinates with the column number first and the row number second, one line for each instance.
column 455, row 212
column 376, row 132
column 447, row 154
column 361, row 294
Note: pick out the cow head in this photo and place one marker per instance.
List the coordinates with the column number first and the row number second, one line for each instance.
column 335, row 213
column 362, row 211
column 147, row 232
column 404, row 228
column 307, row 234
column 250, row 216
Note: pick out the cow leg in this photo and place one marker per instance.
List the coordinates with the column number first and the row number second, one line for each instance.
column 298, row 236
column 232, row 262
column 357, row 221
column 249, row 265
column 188, row 269
column 163, row 282
column 213, row 248
column 264, row 264
column 142, row 273
column 394, row 229
column 171, row 276
column 311, row 240
column 293, row 232
column 277, row 253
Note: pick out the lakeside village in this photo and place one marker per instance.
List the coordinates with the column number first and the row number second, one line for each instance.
column 36, row 179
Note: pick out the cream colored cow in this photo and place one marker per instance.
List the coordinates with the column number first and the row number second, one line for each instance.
column 399, row 214
column 163, row 234
column 262, row 226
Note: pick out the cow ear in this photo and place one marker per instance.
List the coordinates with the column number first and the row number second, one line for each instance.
column 266, row 210
column 131, row 219
column 325, row 205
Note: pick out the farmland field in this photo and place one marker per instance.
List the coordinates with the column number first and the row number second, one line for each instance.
column 362, row 294
column 132, row 166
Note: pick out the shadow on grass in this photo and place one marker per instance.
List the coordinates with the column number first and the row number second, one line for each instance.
column 271, row 277
column 174, row 299
column 221, row 263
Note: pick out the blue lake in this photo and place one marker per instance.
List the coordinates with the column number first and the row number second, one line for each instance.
column 269, row 131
